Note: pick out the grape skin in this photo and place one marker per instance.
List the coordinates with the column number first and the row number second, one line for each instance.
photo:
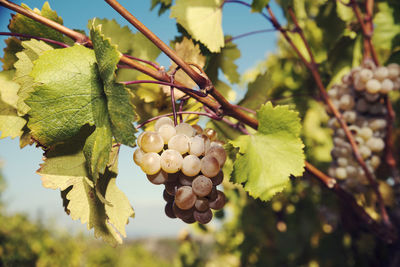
column 209, row 166
column 163, row 121
column 151, row 142
column 219, row 153
column 180, row 143
column 138, row 156
column 158, row 178
column 196, row 146
column 202, row 186
column 203, row 217
column 191, row 165
column 186, row 129
column 166, row 132
column 151, row 163
column 171, row 161
column 185, row 198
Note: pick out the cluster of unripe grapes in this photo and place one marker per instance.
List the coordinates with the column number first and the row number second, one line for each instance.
column 188, row 161
column 360, row 99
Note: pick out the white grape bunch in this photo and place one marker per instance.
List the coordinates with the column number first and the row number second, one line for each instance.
column 360, row 99
column 188, row 161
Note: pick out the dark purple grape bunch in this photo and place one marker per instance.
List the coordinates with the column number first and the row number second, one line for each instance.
column 360, row 97
column 188, row 161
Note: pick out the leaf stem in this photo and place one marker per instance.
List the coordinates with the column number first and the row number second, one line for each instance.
column 312, row 66
column 248, row 34
column 154, row 65
column 34, row 37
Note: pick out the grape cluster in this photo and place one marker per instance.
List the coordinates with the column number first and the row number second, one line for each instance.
column 188, row 161
column 360, row 99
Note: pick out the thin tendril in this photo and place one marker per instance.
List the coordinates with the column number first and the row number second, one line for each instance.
column 34, row 37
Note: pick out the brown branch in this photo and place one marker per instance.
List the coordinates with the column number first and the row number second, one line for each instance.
column 222, row 106
column 366, row 29
column 314, row 71
column 200, row 80
column 387, row 234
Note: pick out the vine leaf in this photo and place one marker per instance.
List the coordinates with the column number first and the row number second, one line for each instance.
column 10, row 123
column 22, row 24
column 202, row 19
column 13, row 46
column 258, row 92
column 266, row 159
column 258, row 5
column 32, row 50
column 225, row 60
column 68, row 84
column 120, row 108
column 65, row 169
column 134, row 44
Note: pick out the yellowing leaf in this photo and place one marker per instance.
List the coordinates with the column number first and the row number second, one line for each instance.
column 10, row 123
column 202, row 19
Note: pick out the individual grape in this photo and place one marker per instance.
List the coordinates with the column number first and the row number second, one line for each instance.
column 375, row 161
column 196, row 146
column 202, row 186
column 167, row 197
column 158, row 178
column 354, row 129
column 371, row 97
column 341, row 173
column 166, row 131
column 210, row 133
column 180, row 213
column 185, row 198
column 203, row 217
column 393, row 70
column 359, row 85
column 171, row 161
column 207, row 143
column 217, row 180
column 151, row 163
column 163, row 121
column 186, row 129
column 151, row 142
column 138, row 156
column 139, row 139
column 342, row 162
column 191, row 165
column 365, row 133
column 180, row 143
column 213, row 194
column 189, row 220
column 209, row 166
column 365, row 151
column 381, row 73
column 219, row 153
column 375, row 144
column 219, row 202
column 373, row 86
column 169, row 210
column 359, row 140
column 201, row 204
column 185, row 180
column 378, row 124
column 349, row 116
column 366, row 75
column 351, row 171
column 217, row 143
column 346, row 102
column 171, row 188
column 387, row 86
column 197, row 129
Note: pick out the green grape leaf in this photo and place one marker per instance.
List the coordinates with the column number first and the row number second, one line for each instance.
column 10, row 123
column 202, row 19
column 32, row 50
column 13, row 46
column 259, row 5
column 257, row 92
column 266, row 159
column 387, row 29
column 225, row 60
column 69, row 85
column 164, row 5
column 21, row 24
column 134, row 44
column 65, row 169
column 120, row 108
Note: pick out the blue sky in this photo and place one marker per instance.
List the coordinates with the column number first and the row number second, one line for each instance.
column 25, row 192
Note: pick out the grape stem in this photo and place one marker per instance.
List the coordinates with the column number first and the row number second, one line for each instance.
column 152, row 64
column 231, row 39
column 182, row 88
column 313, row 67
column 34, row 37
column 212, row 116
